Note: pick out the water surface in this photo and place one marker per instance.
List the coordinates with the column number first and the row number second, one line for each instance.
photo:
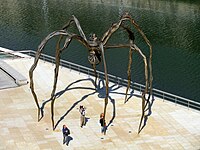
column 172, row 27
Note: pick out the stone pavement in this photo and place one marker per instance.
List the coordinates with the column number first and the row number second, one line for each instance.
column 168, row 126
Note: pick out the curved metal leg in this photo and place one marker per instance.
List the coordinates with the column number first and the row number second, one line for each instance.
column 58, row 52
column 129, row 73
column 106, row 78
column 143, row 113
column 146, row 85
column 32, row 89
column 56, row 70
column 75, row 20
column 95, row 74
column 37, row 56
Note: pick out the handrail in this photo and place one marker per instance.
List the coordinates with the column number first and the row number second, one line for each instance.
column 120, row 81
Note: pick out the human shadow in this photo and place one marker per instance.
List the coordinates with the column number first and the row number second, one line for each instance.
column 86, row 120
column 149, row 109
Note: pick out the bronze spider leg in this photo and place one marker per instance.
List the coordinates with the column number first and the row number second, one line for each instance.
column 150, row 56
column 133, row 46
column 129, row 64
column 75, row 20
column 129, row 73
column 58, row 51
column 37, row 56
column 131, row 38
column 148, row 84
column 149, row 78
column 83, row 40
column 39, row 51
column 101, row 45
column 67, row 25
column 106, row 78
column 116, row 26
column 146, row 87
column 95, row 74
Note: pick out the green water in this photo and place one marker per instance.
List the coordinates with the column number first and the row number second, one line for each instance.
column 173, row 27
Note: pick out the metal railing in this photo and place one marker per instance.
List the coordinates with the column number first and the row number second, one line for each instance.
column 120, row 81
column 5, row 55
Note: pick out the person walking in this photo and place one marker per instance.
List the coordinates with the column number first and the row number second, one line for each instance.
column 82, row 115
column 103, row 124
column 66, row 133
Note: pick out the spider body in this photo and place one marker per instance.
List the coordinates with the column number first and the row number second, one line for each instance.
column 96, row 48
column 94, row 56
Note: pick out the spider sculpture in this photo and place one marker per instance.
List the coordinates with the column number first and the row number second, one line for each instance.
column 96, row 48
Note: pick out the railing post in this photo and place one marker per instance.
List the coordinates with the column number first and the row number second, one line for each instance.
column 61, row 64
column 118, row 82
column 175, row 100
column 88, row 73
column 163, row 97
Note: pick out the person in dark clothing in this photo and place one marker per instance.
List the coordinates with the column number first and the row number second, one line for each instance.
column 65, row 132
column 103, row 124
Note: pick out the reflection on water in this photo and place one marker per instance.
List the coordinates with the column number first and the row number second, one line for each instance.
column 45, row 11
column 172, row 27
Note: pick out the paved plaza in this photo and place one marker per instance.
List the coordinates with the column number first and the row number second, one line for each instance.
column 169, row 126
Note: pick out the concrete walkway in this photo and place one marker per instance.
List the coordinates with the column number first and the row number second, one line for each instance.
column 168, row 127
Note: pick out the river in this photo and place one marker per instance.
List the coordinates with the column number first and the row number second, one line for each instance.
column 173, row 27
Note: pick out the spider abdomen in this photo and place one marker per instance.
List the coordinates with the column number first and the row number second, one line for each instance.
column 94, row 57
